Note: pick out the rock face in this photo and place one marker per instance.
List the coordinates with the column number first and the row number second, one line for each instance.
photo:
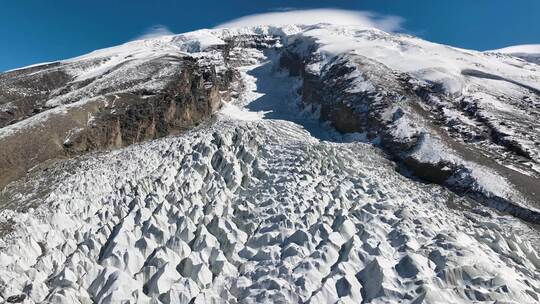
column 448, row 123
column 264, row 202
column 109, row 99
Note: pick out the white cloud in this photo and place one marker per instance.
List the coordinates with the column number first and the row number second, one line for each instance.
column 155, row 31
column 315, row 16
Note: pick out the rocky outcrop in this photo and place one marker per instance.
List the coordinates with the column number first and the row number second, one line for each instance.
column 189, row 98
column 407, row 118
column 116, row 97
column 23, row 93
column 111, row 110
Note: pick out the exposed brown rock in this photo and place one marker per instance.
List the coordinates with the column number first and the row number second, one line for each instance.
column 367, row 112
column 108, row 121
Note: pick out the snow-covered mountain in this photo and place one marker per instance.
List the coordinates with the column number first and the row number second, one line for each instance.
column 528, row 52
column 316, row 164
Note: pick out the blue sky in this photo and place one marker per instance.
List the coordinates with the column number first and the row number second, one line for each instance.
column 35, row 31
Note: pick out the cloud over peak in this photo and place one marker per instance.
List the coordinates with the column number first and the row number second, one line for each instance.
column 316, row 16
column 155, row 31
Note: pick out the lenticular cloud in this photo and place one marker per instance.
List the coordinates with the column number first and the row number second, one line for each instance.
column 316, row 16
column 155, row 31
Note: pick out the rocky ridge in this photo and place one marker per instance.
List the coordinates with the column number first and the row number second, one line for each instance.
column 110, row 99
column 445, row 120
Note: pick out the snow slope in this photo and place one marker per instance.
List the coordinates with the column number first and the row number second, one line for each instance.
column 525, row 48
column 528, row 52
column 267, row 204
